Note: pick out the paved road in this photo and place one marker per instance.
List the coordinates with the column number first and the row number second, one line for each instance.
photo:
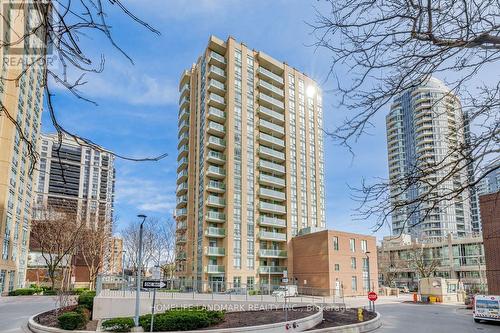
column 15, row 311
column 418, row 318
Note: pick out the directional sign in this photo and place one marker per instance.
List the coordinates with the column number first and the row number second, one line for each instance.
column 149, row 284
column 372, row 296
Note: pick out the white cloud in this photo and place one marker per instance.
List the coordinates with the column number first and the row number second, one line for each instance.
column 145, row 195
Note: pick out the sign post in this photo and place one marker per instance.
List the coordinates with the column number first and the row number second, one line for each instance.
column 155, row 284
column 285, row 281
column 372, row 297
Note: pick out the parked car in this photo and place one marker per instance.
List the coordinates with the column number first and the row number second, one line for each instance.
column 486, row 307
column 404, row 290
column 286, row 291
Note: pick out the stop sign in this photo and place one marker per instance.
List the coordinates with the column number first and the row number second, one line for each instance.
column 372, row 296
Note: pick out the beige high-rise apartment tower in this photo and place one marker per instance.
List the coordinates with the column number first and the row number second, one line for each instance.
column 21, row 99
column 250, row 166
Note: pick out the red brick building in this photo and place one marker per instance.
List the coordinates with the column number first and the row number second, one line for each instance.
column 490, row 217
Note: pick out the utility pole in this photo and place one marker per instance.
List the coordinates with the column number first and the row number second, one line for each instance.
column 138, row 278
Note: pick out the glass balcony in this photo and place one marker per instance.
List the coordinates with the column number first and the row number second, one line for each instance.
column 183, row 163
column 216, row 128
column 271, row 154
column 272, row 208
column 268, row 221
column 215, row 172
column 181, row 239
column 271, row 180
column 214, row 57
column 271, row 128
column 215, row 232
column 265, row 253
column 183, row 139
column 271, row 102
column 181, row 201
column 215, row 251
column 181, row 226
column 182, row 176
column 184, row 90
column 183, row 126
column 215, row 201
column 271, row 115
column 216, row 157
column 271, row 140
column 216, row 100
column 184, row 102
column 215, row 186
column 216, row 217
column 271, row 194
column 271, row 269
column 216, row 86
column 271, row 167
column 181, row 256
column 214, row 269
column 216, row 114
column 182, row 212
column 183, row 151
column 272, row 236
column 216, row 73
column 270, row 88
column 183, row 114
column 216, row 143
column 265, row 73
column 182, row 188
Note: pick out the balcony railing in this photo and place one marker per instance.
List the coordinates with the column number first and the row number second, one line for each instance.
column 269, row 139
column 272, row 101
column 183, row 162
column 267, row 73
column 268, row 193
column 271, row 269
column 217, row 72
column 181, row 239
column 215, row 99
column 265, row 253
column 182, row 187
column 215, row 232
column 181, row 225
column 216, row 85
column 270, row 127
column 215, row 171
column 271, row 88
column 215, row 201
column 216, row 217
column 181, row 256
column 181, row 212
column 271, row 180
column 270, row 235
column 214, row 269
column 272, row 208
column 271, row 114
column 214, row 113
column 181, row 176
column 217, row 57
column 215, row 142
column 267, row 221
column 216, row 157
column 271, row 153
column 270, row 166
column 216, row 186
column 215, row 128
column 182, row 200
column 215, row 251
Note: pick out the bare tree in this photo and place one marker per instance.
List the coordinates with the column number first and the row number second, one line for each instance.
column 380, row 49
column 59, row 27
column 94, row 249
column 164, row 247
column 130, row 236
column 421, row 261
column 55, row 233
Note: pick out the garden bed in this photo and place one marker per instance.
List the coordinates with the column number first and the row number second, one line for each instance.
column 49, row 318
column 341, row 317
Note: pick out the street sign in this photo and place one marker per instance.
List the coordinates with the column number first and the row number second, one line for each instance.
column 284, row 280
column 149, row 284
column 372, row 296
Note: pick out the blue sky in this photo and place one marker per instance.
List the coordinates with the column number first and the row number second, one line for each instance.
column 137, row 104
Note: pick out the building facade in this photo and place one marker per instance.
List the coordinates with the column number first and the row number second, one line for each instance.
column 425, row 128
column 402, row 259
column 490, row 183
column 76, row 177
column 21, row 100
column 250, row 165
column 490, row 216
column 335, row 263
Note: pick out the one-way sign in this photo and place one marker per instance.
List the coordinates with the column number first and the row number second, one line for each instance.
column 153, row 284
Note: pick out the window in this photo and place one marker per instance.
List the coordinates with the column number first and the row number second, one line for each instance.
column 250, row 283
column 353, row 263
column 337, row 267
column 236, row 282
column 352, row 244
column 354, row 283
column 335, row 243
column 364, row 245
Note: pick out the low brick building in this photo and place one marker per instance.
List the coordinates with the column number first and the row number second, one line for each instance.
column 490, row 217
column 335, row 263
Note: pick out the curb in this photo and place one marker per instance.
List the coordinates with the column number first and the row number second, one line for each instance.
column 35, row 327
column 366, row 326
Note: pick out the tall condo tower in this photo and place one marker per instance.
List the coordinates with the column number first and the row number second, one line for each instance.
column 250, row 166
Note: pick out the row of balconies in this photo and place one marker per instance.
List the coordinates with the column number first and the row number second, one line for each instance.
column 219, row 269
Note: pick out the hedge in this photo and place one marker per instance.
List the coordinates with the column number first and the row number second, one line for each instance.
column 24, row 291
column 71, row 321
column 182, row 319
column 87, row 299
column 118, row 324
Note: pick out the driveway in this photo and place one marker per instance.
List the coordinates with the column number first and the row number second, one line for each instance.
column 15, row 311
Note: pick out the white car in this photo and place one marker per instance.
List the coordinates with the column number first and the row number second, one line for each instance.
column 286, row 291
column 486, row 307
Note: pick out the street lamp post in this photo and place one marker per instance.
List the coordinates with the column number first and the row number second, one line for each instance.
column 123, row 270
column 372, row 307
column 139, row 268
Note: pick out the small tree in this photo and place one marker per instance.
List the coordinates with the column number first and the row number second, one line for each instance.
column 94, row 249
column 423, row 263
column 55, row 233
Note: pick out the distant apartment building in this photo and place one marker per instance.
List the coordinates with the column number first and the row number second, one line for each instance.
column 250, row 165
column 76, row 177
column 490, row 216
column 426, row 126
column 21, row 99
column 336, row 263
column 116, row 256
column 462, row 258
column 490, row 183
